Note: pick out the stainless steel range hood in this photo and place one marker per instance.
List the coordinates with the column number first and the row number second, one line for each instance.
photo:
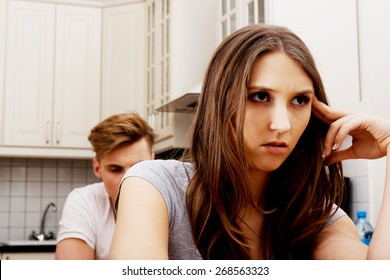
column 184, row 104
column 182, row 111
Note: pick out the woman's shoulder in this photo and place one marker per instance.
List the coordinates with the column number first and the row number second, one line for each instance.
column 161, row 169
column 168, row 176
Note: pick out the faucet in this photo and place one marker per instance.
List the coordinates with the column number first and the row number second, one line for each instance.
column 42, row 235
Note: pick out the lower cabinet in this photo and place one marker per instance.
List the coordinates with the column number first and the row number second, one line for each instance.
column 28, row 256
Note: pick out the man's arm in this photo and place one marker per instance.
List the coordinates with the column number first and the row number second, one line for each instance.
column 74, row 249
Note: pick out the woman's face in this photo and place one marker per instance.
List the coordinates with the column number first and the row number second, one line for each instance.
column 277, row 112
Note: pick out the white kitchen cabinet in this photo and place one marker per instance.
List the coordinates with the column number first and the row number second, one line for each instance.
column 3, row 25
column 123, row 60
column 29, row 74
column 181, row 36
column 52, row 76
column 77, row 75
column 235, row 14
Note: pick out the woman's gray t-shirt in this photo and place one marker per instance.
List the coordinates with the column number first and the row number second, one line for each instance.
column 171, row 178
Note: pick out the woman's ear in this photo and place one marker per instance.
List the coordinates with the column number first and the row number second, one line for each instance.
column 96, row 168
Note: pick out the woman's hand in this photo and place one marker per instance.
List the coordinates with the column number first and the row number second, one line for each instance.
column 370, row 134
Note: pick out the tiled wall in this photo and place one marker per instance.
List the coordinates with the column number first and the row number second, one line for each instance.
column 357, row 172
column 28, row 185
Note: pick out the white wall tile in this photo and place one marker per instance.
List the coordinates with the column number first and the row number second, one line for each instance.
column 64, row 174
column 64, row 163
column 17, row 219
column 34, row 189
column 18, row 188
column 49, row 189
column 80, row 163
column 4, row 204
column 5, row 173
column 34, row 174
column 33, row 220
column 5, row 161
column 79, row 175
column 361, row 167
column 349, row 168
column 60, row 203
column 49, row 174
column 5, row 188
column 18, row 204
column 34, row 162
column 27, row 186
column 359, row 189
column 33, row 204
column 19, row 161
column 18, row 173
column 17, row 233
column 63, row 189
column 4, row 219
column 49, row 162
column 4, row 234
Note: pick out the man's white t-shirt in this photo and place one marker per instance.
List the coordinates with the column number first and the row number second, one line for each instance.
column 88, row 215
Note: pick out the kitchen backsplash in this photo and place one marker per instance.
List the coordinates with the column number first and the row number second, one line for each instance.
column 28, row 185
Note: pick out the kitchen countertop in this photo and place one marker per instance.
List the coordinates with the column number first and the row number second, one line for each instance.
column 27, row 246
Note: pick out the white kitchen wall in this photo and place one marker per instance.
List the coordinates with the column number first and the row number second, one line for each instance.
column 28, row 185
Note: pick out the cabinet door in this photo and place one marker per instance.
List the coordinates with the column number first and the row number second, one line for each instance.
column 28, row 256
column 123, row 59
column 29, row 74
column 77, row 75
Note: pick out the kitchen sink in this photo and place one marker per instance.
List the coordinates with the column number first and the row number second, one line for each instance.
column 29, row 242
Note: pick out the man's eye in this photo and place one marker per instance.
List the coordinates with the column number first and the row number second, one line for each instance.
column 301, row 100
column 260, row 97
column 115, row 170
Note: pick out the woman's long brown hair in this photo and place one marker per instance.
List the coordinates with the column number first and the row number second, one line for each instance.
column 299, row 195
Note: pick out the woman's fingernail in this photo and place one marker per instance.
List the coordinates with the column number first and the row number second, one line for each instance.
column 335, row 147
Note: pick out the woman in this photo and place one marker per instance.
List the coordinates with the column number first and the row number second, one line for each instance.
column 257, row 185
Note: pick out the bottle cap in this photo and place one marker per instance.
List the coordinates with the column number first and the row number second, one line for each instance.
column 361, row 214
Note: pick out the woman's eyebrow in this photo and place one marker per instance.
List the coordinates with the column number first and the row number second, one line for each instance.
column 266, row 89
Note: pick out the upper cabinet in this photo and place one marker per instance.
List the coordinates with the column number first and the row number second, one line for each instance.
column 65, row 67
column 77, row 75
column 123, row 64
column 29, row 74
column 181, row 36
column 52, row 76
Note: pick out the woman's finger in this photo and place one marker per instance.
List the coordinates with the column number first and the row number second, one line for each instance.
column 324, row 112
column 340, row 155
column 337, row 132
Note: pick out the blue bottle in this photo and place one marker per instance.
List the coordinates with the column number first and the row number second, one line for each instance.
column 364, row 228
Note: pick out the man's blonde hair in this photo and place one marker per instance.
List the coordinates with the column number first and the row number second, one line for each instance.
column 118, row 131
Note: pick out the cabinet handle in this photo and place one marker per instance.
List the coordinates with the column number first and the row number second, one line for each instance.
column 58, row 132
column 48, row 132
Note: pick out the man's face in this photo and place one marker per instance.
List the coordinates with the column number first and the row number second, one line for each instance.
column 113, row 165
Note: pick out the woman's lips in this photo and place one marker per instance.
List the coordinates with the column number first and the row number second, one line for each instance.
column 275, row 147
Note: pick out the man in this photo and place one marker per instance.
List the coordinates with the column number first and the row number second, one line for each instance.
column 88, row 219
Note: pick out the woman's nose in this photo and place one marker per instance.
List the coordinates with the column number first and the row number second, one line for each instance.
column 280, row 121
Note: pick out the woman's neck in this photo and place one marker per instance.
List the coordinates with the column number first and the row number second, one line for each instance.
column 258, row 181
column 252, row 224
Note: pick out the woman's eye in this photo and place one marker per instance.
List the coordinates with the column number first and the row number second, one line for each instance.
column 260, row 97
column 301, row 100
